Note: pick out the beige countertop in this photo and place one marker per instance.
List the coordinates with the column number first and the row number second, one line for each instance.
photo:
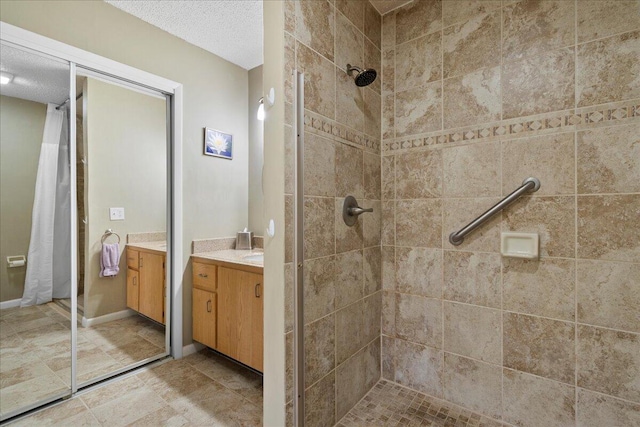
column 233, row 256
column 160, row 246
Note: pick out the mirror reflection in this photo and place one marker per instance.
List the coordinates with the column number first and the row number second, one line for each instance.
column 35, row 245
column 122, row 201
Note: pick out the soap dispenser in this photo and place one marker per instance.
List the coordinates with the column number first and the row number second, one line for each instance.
column 243, row 240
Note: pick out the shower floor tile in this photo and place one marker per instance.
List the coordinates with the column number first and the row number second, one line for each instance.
column 389, row 404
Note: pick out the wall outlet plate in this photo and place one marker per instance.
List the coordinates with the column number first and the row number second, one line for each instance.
column 116, row 214
column 520, row 245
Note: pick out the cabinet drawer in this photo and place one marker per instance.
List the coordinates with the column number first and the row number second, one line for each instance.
column 132, row 259
column 204, row 276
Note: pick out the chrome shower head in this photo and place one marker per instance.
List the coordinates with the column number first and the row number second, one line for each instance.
column 362, row 77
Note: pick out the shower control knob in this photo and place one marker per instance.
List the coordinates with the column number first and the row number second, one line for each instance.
column 351, row 211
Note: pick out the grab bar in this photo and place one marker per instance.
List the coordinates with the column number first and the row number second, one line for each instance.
column 530, row 184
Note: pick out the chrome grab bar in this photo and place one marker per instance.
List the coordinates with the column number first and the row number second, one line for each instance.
column 530, row 184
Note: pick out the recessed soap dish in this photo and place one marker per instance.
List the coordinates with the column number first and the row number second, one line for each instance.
column 519, row 245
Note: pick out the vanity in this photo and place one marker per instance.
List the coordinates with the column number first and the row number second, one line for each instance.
column 228, row 304
column 146, row 279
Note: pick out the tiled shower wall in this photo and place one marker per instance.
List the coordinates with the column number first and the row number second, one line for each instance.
column 477, row 96
column 343, row 297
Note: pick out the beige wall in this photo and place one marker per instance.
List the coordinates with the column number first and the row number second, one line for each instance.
column 275, row 358
column 21, row 127
column 215, row 95
column 256, row 154
column 342, row 300
column 505, row 91
column 126, row 167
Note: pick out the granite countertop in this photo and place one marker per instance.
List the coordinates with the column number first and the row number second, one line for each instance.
column 233, row 256
column 160, row 246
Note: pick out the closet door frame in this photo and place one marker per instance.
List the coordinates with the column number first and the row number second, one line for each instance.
column 173, row 91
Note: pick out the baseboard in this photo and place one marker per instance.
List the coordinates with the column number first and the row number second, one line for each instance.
column 106, row 318
column 191, row 348
column 10, row 304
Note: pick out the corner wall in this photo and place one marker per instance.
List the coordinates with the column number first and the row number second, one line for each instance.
column 342, row 300
column 478, row 96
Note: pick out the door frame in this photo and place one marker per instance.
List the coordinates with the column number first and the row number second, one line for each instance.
column 81, row 58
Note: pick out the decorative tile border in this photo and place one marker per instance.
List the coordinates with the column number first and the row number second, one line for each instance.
column 552, row 122
column 330, row 129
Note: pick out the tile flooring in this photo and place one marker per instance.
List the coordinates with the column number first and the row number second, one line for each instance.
column 389, row 404
column 203, row 389
column 35, row 342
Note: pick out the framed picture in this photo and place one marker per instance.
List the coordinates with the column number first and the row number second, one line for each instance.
column 218, row 144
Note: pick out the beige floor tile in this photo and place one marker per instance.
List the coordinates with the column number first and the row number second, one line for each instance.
column 70, row 413
column 215, row 405
column 231, row 375
column 31, row 391
column 129, row 407
column 23, row 373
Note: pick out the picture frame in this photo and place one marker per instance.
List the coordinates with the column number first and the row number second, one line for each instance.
column 218, row 144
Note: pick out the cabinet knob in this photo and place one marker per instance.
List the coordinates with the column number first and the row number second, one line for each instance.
column 257, row 290
column 205, row 275
column 209, row 306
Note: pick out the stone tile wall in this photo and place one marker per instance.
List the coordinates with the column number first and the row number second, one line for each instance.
column 343, row 297
column 476, row 97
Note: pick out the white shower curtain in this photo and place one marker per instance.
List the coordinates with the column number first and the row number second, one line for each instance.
column 49, row 258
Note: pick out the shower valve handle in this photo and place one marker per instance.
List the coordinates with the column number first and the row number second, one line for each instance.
column 351, row 211
column 358, row 211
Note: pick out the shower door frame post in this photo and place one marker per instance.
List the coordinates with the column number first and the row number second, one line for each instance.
column 298, row 253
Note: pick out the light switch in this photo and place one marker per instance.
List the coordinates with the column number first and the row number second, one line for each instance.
column 116, row 214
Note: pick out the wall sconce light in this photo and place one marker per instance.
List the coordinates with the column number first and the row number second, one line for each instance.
column 5, row 78
column 271, row 99
column 261, row 109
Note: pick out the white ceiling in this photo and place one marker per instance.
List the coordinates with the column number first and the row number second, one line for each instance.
column 36, row 78
column 231, row 29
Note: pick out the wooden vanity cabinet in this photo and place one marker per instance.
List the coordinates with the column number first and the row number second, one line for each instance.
column 146, row 283
column 232, row 323
column 240, row 320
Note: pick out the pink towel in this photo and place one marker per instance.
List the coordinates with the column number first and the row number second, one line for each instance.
column 109, row 260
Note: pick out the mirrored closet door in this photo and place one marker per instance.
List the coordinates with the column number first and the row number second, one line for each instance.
column 121, row 176
column 35, row 230
column 84, row 227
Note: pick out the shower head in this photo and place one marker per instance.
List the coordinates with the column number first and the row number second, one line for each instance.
column 362, row 77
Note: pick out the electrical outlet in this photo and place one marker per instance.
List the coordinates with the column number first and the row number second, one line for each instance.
column 116, row 214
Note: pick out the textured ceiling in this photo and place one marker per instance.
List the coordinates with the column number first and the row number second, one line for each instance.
column 384, row 6
column 36, row 78
column 231, row 29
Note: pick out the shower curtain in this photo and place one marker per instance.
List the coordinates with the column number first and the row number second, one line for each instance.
column 48, row 273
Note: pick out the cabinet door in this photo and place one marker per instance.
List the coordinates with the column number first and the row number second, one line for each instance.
column 151, row 301
column 240, row 322
column 204, row 317
column 133, row 290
